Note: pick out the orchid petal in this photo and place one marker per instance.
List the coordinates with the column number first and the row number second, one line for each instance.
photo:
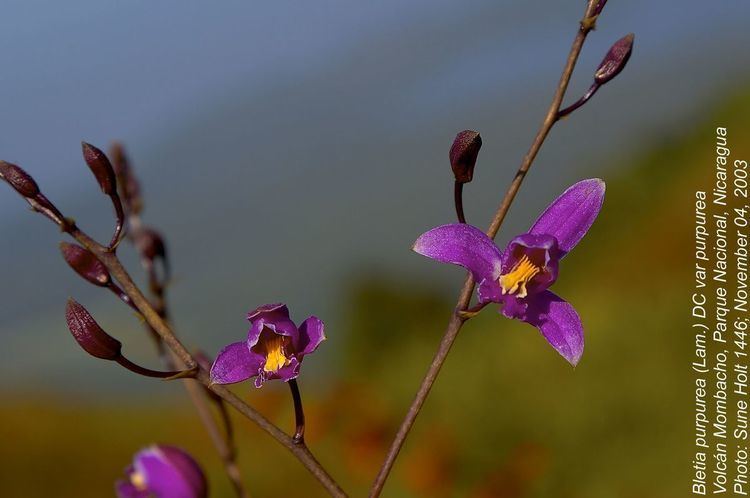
column 235, row 363
column 275, row 323
column 287, row 373
column 571, row 215
column 274, row 309
column 489, row 291
column 558, row 322
column 464, row 245
column 311, row 334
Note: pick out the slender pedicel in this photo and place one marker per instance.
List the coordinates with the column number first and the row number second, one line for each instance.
column 299, row 414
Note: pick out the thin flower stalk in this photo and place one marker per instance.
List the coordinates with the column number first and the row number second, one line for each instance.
column 457, row 320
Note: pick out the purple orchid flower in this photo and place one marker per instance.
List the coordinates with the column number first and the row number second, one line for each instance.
column 164, row 472
column 518, row 278
column 274, row 349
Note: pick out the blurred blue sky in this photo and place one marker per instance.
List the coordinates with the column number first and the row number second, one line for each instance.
column 284, row 145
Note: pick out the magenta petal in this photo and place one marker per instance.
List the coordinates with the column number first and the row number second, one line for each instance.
column 489, row 291
column 286, row 373
column 235, row 363
column 275, row 309
column 311, row 334
column 282, row 326
column 558, row 322
column 125, row 489
column 571, row 215
column 464, row 245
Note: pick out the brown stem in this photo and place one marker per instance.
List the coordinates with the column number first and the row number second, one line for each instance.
column 223, row 443
column 456, row 321
column 301, row 452
column 228, row 427
column 299, row 414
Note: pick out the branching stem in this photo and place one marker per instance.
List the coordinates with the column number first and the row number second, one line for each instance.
column 456, row 321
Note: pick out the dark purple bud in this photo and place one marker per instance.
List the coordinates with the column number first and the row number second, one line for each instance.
column 463, row 155
column 599, row 7
column 89, row 334
column 130, row 189
column 85, row 264
column 615, row 60
column 101, row 167
column 150, row 244
column 19, row 179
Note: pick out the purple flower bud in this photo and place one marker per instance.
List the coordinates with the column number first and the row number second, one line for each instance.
column 130, row 189
column 89, row 334
column 85, row 264
column 163, row 471
column 19, row 179
column 615, row 60
column 150, row 244
column 101, row 167
column 463, row 155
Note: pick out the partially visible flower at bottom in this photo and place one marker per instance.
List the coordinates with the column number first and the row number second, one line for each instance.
column 163, row 471
column 518, row 277
column 274, row 348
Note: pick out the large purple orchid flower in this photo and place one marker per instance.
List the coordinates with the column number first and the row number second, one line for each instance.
column 164, row 472
column 518, row 278
column 274, row 349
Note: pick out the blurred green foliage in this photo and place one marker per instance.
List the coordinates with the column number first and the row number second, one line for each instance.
column 507, row 418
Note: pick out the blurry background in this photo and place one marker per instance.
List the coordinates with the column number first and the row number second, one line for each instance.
column 293, row 151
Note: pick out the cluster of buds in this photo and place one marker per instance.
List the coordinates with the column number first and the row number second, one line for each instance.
column 89, row 335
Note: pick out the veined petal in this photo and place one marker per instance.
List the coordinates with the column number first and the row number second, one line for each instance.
column 277, row 324
column 286, row 373
column 489, row 291
column 571, row 215
column 464, row 245
column 558, row 322
column 235, row 363
column 278, row 309
column 311, row 334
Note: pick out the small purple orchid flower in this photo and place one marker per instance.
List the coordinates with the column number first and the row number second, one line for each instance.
column 163, row 471
column 518, row 277
column 274, row 349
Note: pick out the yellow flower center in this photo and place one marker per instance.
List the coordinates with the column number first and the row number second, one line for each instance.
column 516, row 279
column 275, row 358
column 138, row 480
